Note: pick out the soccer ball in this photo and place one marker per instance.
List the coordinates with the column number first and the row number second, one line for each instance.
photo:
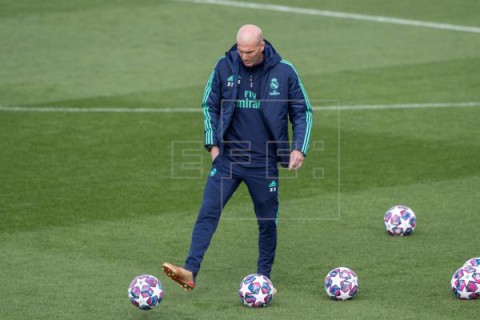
column 474, row 262
column 145, row 292
column 466, row 283
column 341, row 284
column 256, row 291
column 400, row 221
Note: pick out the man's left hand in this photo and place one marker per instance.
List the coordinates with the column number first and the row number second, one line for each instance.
column 296, row 160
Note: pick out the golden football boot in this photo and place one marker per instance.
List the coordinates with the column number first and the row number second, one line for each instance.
column 180, row 275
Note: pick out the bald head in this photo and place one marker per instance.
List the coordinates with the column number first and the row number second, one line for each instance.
column 250, row 44
column 249, row 34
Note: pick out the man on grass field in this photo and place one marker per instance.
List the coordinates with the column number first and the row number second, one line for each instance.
column 249, row 98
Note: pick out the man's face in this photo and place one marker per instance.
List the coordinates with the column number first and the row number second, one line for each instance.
column 251, row 54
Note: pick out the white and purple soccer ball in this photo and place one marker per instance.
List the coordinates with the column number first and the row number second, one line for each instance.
column 466, row 283
column 145, row 292
column 256, row 291
column 341, row 284
column 400, row 221
column 473, row 262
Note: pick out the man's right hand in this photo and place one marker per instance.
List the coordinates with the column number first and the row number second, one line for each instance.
column 214, row 152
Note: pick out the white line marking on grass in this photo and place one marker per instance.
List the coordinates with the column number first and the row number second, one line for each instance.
column 97, row 110
column 199, row 110
column 400, row 106
column 337, row 14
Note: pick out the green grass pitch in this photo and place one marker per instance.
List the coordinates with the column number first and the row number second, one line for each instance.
column 89, row 200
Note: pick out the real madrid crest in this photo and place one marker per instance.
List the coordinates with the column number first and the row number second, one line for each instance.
column 274, row 85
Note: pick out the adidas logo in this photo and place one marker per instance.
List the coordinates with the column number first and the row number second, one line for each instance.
column 273, row 186
column 230, row 81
